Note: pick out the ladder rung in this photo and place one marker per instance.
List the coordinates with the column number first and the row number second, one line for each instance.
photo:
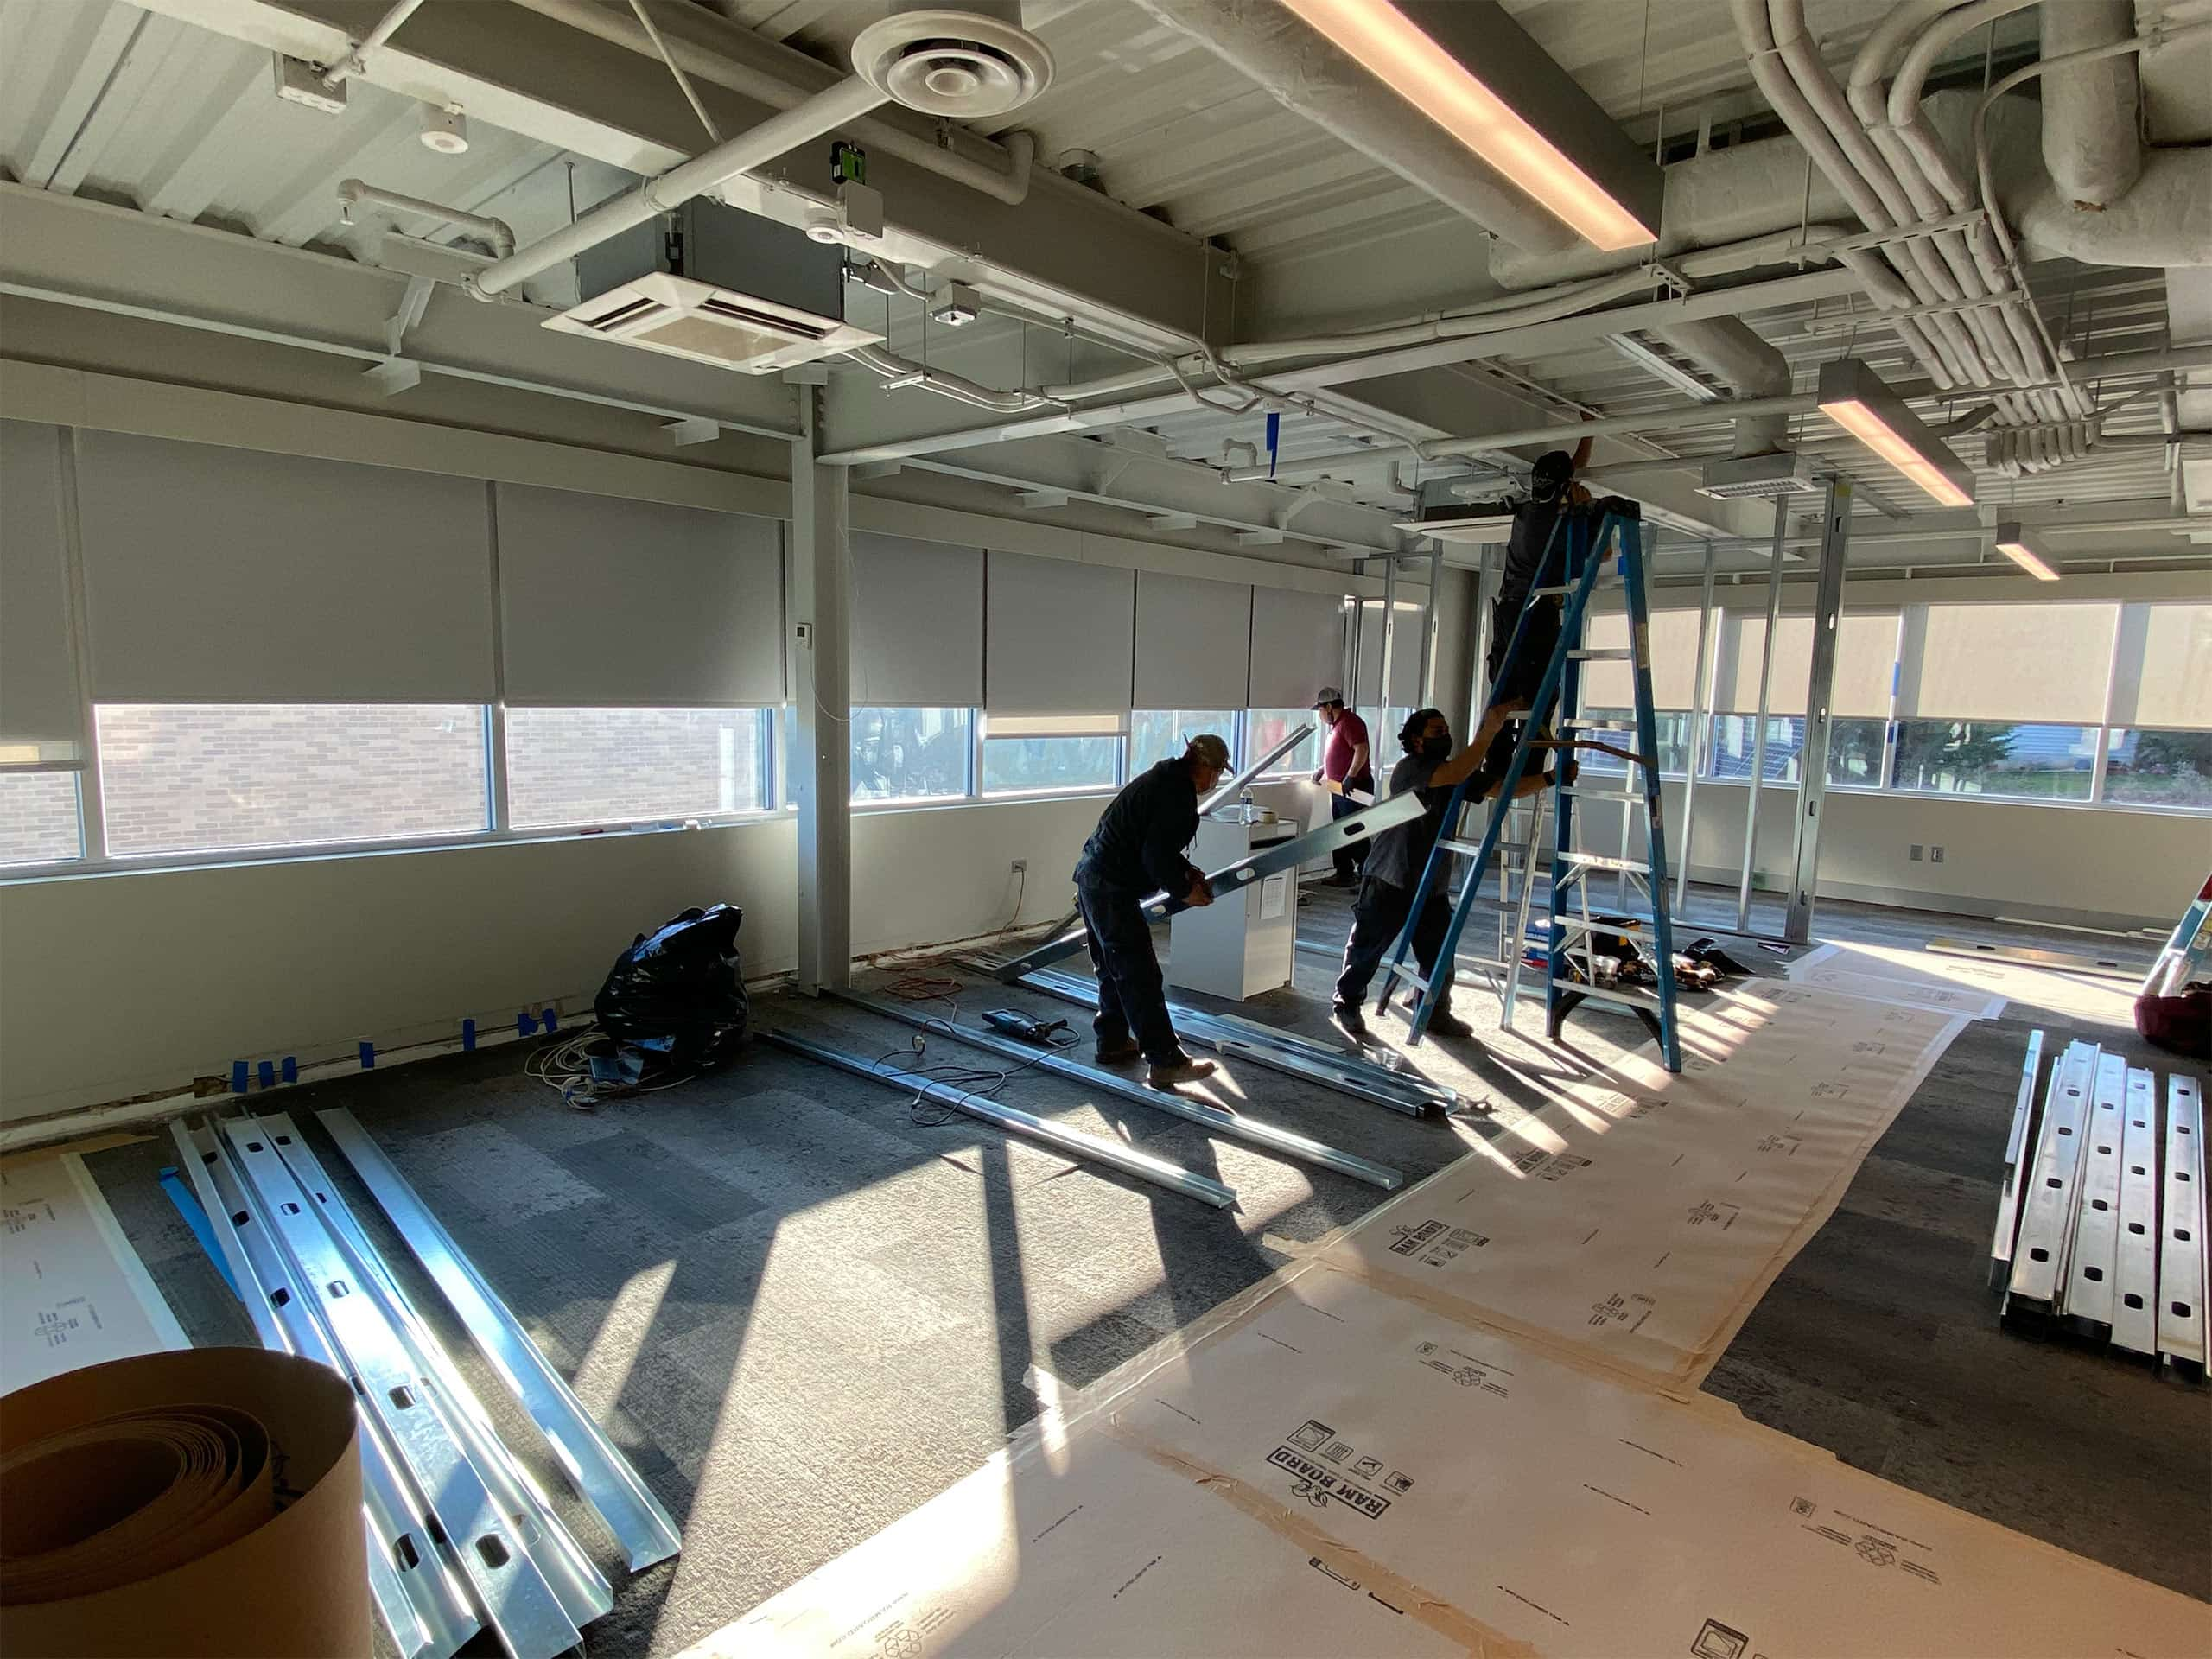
column 1601, row 994
column 1467, row 848
column 1603, row 654
column 1400, row 971
column 1582, row 725
column 1626, row 797
column 1600, row 586
column 1605, row 862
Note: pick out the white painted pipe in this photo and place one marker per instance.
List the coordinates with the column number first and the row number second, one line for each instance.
column 1751, row 368
column 903, row 372
column 1009, row 184
column 387, row 25
column 2090, row 110
column 353, row 192
column 825, row 111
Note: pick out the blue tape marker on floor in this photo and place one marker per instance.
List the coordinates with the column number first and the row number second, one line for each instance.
column 237, row 1076
column 468, row 1034
column 291, row 1069
column 368, row 1057
column 268, row 1074
column 188, row 1205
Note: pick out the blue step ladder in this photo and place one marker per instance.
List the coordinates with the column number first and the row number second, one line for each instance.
column 1589, row 538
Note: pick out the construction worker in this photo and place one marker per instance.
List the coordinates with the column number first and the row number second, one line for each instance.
column 1345, row 765
column 1136, row 851
column 1399, row 855
column 1530, row 553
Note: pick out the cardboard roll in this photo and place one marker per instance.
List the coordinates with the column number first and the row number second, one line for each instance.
column 206, row 1501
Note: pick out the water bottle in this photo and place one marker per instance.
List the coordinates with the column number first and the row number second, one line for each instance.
column 1244, row 800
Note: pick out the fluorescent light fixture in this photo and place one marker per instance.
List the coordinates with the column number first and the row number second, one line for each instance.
column 1400, row 54
column 2025, row 548
column 1861, row 402
column 1487, row 525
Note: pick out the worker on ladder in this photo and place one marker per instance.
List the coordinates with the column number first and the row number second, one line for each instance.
column 1552, row 489
column 1394, row 863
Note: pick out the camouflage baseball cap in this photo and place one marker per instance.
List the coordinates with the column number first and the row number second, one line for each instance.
column 1209, row 748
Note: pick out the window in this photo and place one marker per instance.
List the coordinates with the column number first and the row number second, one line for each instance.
column 1855, row 754
column 909, row 754
column 1735, row 747
column 1672, row 725
column 618, row 766
column 1265, row 728
column 1026, row 755
column 1972, row 757
column 1159, row 733
column 179, row 778
column 2160, row 768
column 39, row 821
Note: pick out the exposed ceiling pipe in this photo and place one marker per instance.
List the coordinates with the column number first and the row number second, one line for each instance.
column 1306, row 74
column 2091, row 111
column 901, row 372
column 824, row 112
column 1747, row 365
column 780, row 90
column 386, row 26
column 353, row 192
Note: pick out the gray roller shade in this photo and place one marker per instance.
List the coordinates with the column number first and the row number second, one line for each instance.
column 1193, row 642
column 917, row 623
column 1298, row 645
column 38, row 672
column 1060, row 636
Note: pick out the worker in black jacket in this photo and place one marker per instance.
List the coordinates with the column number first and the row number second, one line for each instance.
column 1137, row 851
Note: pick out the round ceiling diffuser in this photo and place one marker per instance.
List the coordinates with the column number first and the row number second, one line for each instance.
column 964, row 62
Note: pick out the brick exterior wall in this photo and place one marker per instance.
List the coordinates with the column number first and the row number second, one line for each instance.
column 38, row 816
column 604, row 765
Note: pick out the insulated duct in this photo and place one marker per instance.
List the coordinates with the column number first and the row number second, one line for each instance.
column 2092, row 112
column 1304, row 72
column 1752, row 369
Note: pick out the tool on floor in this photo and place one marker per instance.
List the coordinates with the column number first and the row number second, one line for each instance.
column 1589, row 538
column 1028, row 1027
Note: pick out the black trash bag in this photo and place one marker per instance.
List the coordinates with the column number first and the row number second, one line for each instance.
column 678, row 993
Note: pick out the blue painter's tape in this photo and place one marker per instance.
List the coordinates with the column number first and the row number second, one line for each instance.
column 468, row 1034
column 237, row 1076
column 552, row 1019
column 188, row 1205
column 268, row 1074
column 368, row 1057
column 290, row 1070
column 1274, row 439
column 525, row 1022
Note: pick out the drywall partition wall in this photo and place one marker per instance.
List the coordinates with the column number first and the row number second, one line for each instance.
column 124, row 985
column 933, row 873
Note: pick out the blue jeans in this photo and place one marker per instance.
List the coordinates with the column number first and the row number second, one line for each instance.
column 1350, row 860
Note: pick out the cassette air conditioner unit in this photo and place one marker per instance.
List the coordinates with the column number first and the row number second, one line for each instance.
column 716, row 285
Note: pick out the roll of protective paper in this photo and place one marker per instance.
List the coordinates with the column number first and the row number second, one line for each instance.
column 205, row 1502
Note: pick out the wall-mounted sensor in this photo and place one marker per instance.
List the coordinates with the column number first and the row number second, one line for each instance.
column 444, row 131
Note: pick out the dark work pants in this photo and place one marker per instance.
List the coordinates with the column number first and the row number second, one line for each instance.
column 1378, row 916
column 1132, row 998
column 1350, row 860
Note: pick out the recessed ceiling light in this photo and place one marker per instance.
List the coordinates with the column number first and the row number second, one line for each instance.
column 1400, row 54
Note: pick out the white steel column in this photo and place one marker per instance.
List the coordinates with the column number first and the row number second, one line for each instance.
column 1820, row 697
column 1700, row 694
column 1758, row 735
column 1431, row 614
column 820, row 644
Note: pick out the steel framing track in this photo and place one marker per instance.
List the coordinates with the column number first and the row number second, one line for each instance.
column 1113, row 1154
column 2181, row 1231
column 2015, row 1148
column 2093, row 1261
column 2046, row 1216
column 1285, row 1143
column 2135, row 1310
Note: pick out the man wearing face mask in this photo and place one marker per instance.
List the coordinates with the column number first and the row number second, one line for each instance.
column 1394, row 864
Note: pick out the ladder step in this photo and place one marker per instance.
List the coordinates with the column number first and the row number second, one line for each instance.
column 1466, row 848
column 1626, row 798
column 1404, row 975
column 1581, row 725
column 1600, row 586
column 1603, row 654
column 1604, row 861
column 1601, row 994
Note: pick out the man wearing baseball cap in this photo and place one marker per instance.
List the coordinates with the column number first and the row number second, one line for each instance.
column 1136, row 851
column 1345, row 765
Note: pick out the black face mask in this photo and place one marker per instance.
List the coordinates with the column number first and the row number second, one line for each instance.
column 1436, row 748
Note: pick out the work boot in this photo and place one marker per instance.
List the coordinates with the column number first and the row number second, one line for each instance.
column 1166, row 1074
column 1124, row 1053
column 1445, row 1023
column 1351, row 1022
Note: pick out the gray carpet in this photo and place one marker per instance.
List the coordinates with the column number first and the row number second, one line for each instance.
column 803, row 1312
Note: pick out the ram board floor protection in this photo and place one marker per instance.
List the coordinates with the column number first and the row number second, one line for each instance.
column 2025, row 991
column 1345, row 1460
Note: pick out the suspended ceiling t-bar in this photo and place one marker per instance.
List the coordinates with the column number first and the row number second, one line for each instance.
column 1266, row 1137
column 1074, row 1142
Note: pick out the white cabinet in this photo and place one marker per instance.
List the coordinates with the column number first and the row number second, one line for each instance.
column 1242, row 943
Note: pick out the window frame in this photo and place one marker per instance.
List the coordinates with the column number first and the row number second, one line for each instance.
column 503, row 761
column 1119, row 735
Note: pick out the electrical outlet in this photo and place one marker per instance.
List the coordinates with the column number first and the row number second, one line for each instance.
column 1934, row 855
column 1915, row 852
column 1020, row 867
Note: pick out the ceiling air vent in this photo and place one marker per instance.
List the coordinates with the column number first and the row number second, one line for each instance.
column 716, row 285
column 1759, row 477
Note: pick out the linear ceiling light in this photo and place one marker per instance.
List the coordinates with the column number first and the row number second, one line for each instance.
column 1403, row 57
column 1861, row 402
column 2021, row 546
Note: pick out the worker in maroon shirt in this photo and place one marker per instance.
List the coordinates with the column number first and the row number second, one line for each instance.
column 1345, row 765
